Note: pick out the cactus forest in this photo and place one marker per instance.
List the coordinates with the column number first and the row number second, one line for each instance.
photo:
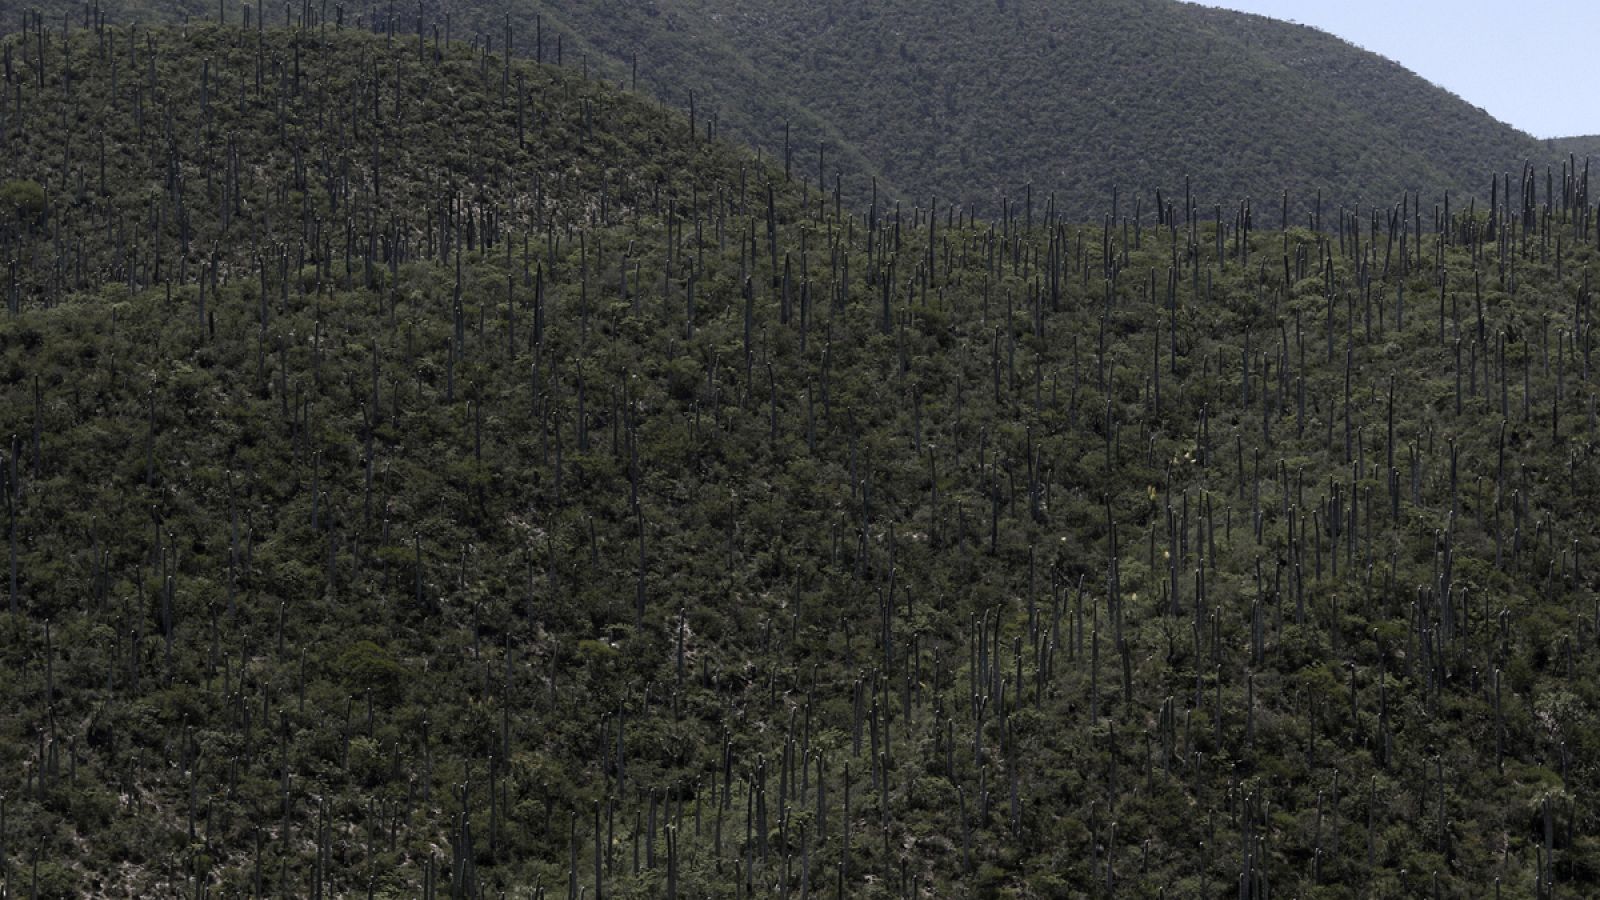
column 432, row 472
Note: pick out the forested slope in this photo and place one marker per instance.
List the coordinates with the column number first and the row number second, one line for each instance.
column 433, row 477
column 973, row 101
column 1586, row 147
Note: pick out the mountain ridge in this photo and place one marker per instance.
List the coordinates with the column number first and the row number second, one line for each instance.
column 972, row 101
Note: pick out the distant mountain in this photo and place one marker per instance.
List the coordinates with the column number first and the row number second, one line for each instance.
column 1583, row 146
column 972, row 100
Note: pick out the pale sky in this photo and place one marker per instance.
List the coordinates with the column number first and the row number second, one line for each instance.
column 1534, row 64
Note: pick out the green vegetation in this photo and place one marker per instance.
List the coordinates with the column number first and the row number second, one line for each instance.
column 1587, row 147
column 972, row 101
column 22, row 207
column 975, row 99
column 433, row 476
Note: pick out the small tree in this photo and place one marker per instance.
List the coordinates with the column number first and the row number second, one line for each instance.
column 23, row 206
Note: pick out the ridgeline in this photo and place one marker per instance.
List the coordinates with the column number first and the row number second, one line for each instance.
column 975, row 101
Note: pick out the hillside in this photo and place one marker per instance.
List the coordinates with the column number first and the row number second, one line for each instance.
column 1586, row 147
column 1458, row 145
column 972, row 101
column 433, row 476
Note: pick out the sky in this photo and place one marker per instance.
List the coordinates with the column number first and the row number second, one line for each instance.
column 1534, row 64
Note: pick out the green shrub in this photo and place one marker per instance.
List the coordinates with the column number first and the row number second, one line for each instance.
column 23, row 205
column 55, row 880
column 366, row 666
